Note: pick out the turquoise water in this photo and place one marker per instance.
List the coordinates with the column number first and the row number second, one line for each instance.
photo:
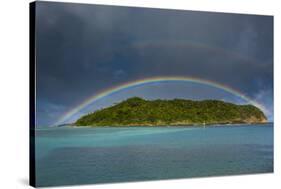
column 69, row 156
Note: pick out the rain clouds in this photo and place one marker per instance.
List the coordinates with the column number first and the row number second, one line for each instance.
column 83, row 49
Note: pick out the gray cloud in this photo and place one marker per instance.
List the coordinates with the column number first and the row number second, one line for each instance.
column 84, row 49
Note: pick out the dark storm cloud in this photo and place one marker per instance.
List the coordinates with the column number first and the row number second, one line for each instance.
column 83, row 49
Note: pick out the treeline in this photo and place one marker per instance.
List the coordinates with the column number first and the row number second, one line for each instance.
column 140, row 112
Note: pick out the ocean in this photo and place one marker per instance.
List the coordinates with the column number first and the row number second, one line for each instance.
column 72, row 156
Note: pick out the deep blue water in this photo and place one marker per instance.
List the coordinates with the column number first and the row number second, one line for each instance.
column 67, row 156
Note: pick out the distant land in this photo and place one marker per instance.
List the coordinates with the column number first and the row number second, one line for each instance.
column 140, row 112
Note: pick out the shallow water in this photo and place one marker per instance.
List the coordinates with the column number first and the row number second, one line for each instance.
column 67, row 156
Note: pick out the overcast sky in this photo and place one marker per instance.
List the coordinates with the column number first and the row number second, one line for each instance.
column 84, row 49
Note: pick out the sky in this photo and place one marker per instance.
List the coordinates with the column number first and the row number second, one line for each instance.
column 84, row 49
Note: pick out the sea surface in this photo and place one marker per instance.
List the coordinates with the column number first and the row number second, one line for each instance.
column 70, row 156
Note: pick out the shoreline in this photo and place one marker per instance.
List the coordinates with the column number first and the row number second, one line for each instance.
column 168, row 126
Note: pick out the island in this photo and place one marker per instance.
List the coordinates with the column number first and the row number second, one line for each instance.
column 137, row 111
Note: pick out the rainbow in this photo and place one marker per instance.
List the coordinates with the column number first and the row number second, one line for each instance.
column 150, row 80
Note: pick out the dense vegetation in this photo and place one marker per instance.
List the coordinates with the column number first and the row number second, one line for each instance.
column 139, row 112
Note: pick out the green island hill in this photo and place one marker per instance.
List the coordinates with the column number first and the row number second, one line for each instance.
column 140, row 112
